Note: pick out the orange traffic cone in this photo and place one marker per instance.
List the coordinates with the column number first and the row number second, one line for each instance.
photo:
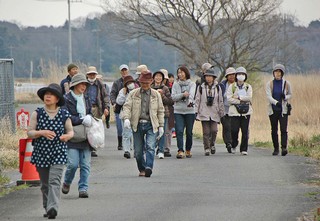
column 29, row 173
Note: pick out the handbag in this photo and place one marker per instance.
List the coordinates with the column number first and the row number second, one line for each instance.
column 242, row 108
column 95, row 133
column 79, row 134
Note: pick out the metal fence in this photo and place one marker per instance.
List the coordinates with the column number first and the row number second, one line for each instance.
column 7, row 91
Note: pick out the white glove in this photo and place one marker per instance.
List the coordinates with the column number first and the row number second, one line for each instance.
column 87, row 120
column 160, row 130
column 126, row 123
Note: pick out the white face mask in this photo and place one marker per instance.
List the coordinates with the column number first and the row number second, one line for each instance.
column 241, row 77
column 91, row 80
column 130, row 86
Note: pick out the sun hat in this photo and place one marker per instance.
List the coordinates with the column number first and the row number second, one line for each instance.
column 210, row 72
column 141, row 68
column 92, row 69
column 165, row 73
column 77, row 79
column 53, row 88
column 70, row 66
column 279, row 67
column 123, row 66
column 229, row 71
column 127, row 79
column 241, row 70
column 158, row 72
column 145, row 77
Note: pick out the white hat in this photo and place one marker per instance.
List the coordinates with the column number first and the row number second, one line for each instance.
column 141, row 68
column 91, row 70
column 206, row 66
column 241, row 70
column 165, row 73
column 230, row 70
column 123, row 66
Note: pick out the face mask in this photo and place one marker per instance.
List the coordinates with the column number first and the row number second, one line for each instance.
column 130, row 86
column 91, row 80
column 241, row 77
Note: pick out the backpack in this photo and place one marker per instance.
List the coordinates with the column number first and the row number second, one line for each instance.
column 41, row 111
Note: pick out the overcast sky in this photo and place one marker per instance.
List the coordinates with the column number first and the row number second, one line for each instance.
column 55, row 12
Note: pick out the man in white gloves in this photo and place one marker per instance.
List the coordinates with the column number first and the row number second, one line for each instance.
column 144, row 112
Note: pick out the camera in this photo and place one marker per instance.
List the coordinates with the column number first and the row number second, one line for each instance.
column 209, row 100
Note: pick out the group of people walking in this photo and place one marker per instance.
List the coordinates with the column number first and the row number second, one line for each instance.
column 147, row 108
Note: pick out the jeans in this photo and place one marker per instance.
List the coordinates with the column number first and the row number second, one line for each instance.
column 162, row 140
column 81, row 158
column 209, row 130
column 283, row 121
column 237, row 123
column 119, row 124
column 184, row 121
column 144, row 138
column 50, row 178
column 126, row 138
column 226, row 129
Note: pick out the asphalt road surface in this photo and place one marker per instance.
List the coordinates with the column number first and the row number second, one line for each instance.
column 218, row 187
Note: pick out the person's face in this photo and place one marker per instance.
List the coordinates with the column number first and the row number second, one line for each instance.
column 73, row 71
column 277, row 74
column 158, row 78
column 80, row 88
column 231, row 78
column 181, row 75
column 92, row 75
column 124, row 72
column 145, row 86
column 171, row 79
column 50, row 98
column 209, row 79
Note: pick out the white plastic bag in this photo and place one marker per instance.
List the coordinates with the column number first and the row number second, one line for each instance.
column 95, row 134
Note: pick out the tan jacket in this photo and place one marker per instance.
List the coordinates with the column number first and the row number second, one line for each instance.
column 231, row 92
column 132, row 109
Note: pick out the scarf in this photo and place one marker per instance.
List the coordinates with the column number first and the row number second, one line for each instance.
column 81, row 108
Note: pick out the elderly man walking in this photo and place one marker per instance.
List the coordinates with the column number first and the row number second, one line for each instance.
column 144, row 112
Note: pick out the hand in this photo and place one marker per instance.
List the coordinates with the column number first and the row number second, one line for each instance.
column 283, row 96
column 106, row 112
column 160, row 130
column 48, row 134
column 126, row 124
column 196, row 116
column 278, row 104
column 160, row 91
column 87, row 120
column 186, row 94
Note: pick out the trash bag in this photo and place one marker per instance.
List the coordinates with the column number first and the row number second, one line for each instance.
column 95, row 134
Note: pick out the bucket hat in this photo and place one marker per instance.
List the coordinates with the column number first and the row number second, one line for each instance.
column 243, row 71
column 206, row 66
column 279, row 67
column 141, row 68
column 229, row 71
column 77, row 79
column 165, row 73
column 92, row 69
column 145, row 77
column 127, row 79
column 158, row 72
column 53, row 88
column 210, row 72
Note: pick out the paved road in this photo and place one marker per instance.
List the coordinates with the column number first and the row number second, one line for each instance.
column 220, row 187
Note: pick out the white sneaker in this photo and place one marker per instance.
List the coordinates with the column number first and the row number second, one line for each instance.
column 233, row 150
column 244, row 153
column 161, row 155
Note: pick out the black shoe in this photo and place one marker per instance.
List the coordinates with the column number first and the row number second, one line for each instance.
column 83, row 194
column 127, row 154
column 65, row 188
column 120, row 143
column 275, row 153
column 229, row 146
column 167, row 154
column 213, row 150
column 148, row 172
column 94, row 154
column 120, row 147
column 108, row 125
column 52, row 213
column 284, row 152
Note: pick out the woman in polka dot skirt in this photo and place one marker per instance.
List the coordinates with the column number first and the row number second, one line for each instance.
column 50, row 127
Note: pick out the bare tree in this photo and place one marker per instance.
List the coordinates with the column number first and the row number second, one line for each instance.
column 223, row 32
